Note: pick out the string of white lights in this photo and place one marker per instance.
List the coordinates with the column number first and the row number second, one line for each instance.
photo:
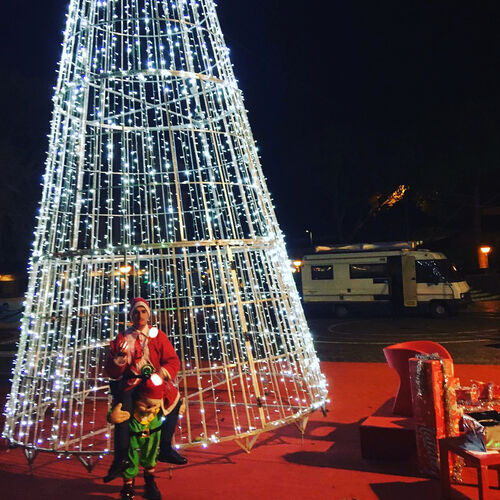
column 153, row 188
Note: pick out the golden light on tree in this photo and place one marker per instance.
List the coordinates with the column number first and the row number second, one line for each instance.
column 395, row 197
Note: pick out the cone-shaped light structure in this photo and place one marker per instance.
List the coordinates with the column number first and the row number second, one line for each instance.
column 153, row 188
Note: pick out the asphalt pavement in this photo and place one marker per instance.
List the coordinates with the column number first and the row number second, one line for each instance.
column 471, row 337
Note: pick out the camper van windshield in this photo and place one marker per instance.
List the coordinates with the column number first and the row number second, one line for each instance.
column 437, row 271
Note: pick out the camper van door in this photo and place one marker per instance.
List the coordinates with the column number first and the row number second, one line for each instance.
column 409, row 280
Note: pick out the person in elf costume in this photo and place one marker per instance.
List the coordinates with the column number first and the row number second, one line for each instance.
column 135, row 354
column 144, row 434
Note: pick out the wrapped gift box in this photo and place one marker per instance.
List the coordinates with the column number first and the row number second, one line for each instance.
column 468, row 395
column 488, row 391
column 435, row 408
column 481, row 405
column 479, row 396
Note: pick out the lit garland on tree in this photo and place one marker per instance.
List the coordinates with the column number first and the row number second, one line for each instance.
column 153, row 188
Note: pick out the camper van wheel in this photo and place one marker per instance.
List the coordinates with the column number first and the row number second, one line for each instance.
column 341, row 311
column 438, row 309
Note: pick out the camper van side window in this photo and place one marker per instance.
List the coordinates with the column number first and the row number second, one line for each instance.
column 360, row 271
column 322, row 272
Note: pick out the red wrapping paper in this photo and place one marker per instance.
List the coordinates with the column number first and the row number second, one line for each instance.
column 469, row 395
column 434, row 408
column 482, row 405
column 488, row 391
column 479, row 396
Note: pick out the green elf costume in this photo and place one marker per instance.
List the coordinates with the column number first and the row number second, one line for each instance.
column 144, row 435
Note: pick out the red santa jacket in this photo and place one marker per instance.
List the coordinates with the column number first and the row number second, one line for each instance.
column 162, row 356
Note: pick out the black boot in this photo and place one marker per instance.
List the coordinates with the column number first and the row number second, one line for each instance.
column 151, row 491
column 170, row 456
column 119, row 465
column 167, row 453
column 127, row 492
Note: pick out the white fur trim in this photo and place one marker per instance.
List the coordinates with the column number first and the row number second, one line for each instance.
column 142, row 303
column 165, row 373
column 166, row 411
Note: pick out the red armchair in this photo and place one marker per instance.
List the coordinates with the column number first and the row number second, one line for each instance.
column 397, row 357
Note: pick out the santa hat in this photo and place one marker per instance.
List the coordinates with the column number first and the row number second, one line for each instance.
column 139, row 301
column 152, row 388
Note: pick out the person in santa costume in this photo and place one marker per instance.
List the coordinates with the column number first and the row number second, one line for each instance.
column 134, row 355
column 144, row 436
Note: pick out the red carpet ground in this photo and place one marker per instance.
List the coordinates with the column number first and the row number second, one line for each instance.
column 325, row 464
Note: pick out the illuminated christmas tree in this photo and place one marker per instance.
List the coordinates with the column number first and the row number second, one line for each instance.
column 153, row 188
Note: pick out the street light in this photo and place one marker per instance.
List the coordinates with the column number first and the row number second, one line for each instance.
column 310, row 236
column 483, row 253
column 125, row 268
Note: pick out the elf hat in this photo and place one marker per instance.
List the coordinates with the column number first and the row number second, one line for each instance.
column 139, row 301
column 152, row 388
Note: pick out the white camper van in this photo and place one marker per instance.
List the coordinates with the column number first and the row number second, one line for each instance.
column 397, row 276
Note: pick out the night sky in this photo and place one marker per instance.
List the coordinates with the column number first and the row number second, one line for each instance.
column 346, row 100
